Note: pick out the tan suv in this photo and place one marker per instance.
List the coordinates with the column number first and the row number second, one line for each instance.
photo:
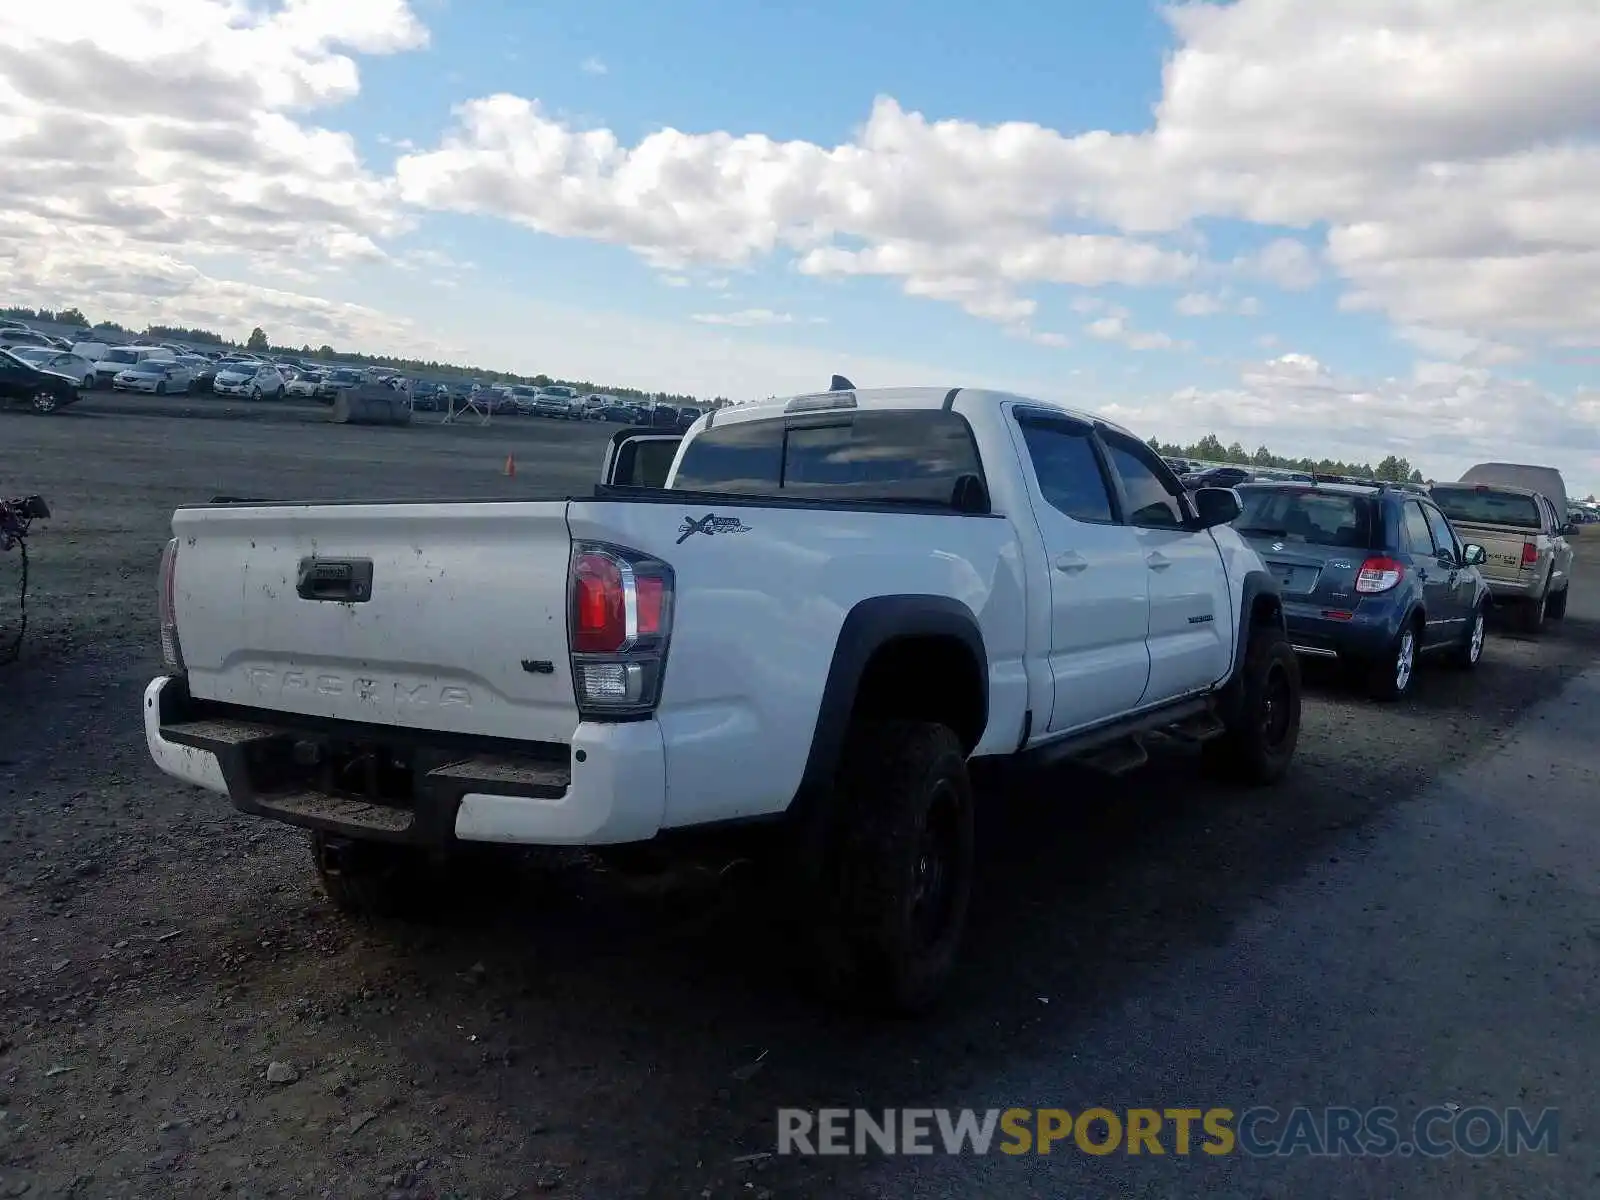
column 1529, row 564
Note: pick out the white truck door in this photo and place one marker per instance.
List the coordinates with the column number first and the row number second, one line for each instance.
column 1099, row 598
column 1191, row 623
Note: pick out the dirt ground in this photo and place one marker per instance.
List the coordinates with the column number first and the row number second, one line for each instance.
column 181, row 1012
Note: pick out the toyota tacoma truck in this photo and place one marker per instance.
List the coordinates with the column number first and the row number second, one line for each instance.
column 803, row 622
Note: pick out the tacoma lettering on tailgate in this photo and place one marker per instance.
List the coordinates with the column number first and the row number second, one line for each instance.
column 404, row 695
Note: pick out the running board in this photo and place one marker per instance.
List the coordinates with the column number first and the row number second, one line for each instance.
column 1187, row 720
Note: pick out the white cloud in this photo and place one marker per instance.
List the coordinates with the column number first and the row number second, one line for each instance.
column 1209, row 304
column 1114, row 328
column 593, row 66
column 749, row 318
column 1442, row 145
column 141, row 138
column 1444, row 417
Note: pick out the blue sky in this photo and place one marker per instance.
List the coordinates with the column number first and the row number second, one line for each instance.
column 1349, row 229
column 811, row 72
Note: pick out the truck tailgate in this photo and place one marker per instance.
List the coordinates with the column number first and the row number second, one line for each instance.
column 463, row 627
column 1503, row 547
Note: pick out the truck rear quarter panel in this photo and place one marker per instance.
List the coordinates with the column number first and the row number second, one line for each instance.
column 761, row 595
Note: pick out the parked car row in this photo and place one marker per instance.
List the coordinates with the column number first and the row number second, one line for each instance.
column 1383, row 576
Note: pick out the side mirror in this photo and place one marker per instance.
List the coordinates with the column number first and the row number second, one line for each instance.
column 1474, row 555
column 1568, row 529
column 1215, row 506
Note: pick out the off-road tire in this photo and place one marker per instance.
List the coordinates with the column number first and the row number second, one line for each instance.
column 371, row 879
column 1384, row 679
column 1556, row 608
column 903, row 825
column 1466, row 654
column 1261, row 714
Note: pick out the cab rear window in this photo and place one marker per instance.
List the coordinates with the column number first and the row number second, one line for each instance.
column 1317, row 518
column 1487, row 506
column 913, row 456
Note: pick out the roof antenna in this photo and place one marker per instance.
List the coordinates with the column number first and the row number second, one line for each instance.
column 841, row 384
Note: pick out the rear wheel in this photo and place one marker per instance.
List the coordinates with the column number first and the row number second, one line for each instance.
column 1557, row 606
column 1262, row 727
column 161, row 388
column 1391, row 676
column 897, row 878
column 1530, row 618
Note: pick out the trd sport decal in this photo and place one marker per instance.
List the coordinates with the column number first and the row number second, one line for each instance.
column 710, row 524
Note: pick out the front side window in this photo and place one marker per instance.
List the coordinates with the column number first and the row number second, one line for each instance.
column 1150, row 504
column 1418, row 536
column 1443, row 536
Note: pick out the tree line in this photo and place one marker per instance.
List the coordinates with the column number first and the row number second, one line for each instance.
column 259, row 343
column 1393, row 469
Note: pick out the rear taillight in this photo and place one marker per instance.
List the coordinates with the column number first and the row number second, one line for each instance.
column 1378, row 575
column 620, row 621
column 167, row 608
column 1530, row 554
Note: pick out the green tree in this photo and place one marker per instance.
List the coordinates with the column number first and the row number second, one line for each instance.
column 72, row 316
column 1394, row 468
column 258, row 340
column 1416, row 476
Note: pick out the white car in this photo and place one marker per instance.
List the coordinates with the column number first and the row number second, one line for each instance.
column 59, row 362
column 805, row 615
column 304, row 384
column 259, row 382
column 155, row 375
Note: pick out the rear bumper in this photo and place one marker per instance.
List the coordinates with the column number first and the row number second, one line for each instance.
column 1509, row 590
column 1367, row 633
column 607, row 787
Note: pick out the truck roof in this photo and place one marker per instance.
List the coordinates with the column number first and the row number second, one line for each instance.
column 901, row 397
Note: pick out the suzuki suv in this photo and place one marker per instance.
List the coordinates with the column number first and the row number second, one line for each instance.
column 1372, row 575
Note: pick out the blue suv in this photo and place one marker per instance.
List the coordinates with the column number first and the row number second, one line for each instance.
column 1372, row 575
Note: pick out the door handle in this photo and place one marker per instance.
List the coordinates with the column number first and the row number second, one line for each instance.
column 1158, row 561
column 1071, row 562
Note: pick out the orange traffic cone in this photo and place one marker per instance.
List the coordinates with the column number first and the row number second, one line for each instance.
column 510, row 470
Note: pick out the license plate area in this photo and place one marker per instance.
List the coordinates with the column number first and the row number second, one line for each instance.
column 372, row 772
column 1294, row 579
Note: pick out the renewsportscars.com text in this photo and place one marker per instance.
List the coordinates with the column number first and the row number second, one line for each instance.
column 1258, row 1132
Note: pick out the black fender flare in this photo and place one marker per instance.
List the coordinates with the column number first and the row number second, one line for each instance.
column 1252, row 587
column 1255, row 585
column 869, row 626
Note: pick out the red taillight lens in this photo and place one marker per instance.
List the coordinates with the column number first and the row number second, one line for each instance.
column 1530, row 554
column 599, row 608
column 1378, row 574
column 651, row 595
column 621, row 621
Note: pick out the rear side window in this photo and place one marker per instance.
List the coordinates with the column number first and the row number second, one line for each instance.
column 915, row 456
column 1314, row 517
column 1418, row 536
column 1486, row 506
column 1068, row 471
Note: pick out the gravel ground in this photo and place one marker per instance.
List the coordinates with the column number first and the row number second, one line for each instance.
column 163, row 953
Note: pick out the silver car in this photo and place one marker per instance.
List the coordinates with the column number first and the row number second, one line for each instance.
column 156, row 375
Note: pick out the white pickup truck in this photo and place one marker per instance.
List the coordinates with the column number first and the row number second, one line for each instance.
column 804, row 617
